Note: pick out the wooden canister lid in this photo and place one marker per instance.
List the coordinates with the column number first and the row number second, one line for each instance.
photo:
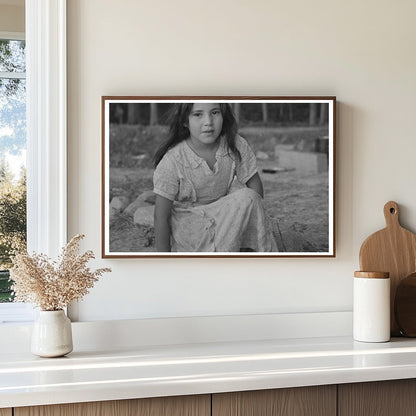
column 372, row 275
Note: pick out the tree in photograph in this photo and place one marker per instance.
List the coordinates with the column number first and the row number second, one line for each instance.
column 323, row 114
column 237, row 109
column 154, row 116
column 281, row 113
column 264, row 112
column 313, row 114
column 290, row 108
column 133, row 113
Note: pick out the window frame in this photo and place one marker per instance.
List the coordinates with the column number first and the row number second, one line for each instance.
column 46, row 121
column 18, row 312
column 12, row 36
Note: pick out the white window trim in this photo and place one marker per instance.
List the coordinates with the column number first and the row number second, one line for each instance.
column 46, row 134
column 46, row 125
column 12, row 75
column 12, row 35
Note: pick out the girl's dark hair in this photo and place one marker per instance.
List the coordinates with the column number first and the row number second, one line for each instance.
column 178, row 130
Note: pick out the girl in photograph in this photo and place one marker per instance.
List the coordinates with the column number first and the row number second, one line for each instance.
column 197, row 208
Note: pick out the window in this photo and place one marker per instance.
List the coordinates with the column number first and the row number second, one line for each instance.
column 12, row 153
column 46, row 135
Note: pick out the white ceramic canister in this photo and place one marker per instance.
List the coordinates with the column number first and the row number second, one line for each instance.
column 371, row 309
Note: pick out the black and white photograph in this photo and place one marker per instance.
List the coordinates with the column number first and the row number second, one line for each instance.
column 218, row 176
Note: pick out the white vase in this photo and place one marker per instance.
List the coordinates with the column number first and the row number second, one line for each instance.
column 52, row 334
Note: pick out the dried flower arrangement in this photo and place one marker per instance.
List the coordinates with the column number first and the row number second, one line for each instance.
column 52, row 285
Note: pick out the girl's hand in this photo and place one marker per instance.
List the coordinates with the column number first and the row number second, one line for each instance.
column 256, row 184
column 163, row 208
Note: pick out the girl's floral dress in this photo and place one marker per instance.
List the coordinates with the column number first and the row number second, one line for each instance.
column 208, row 214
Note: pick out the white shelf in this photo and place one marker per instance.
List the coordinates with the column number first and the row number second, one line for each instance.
column 151, row 371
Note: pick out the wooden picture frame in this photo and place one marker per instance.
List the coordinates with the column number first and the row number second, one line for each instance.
column 293, row 143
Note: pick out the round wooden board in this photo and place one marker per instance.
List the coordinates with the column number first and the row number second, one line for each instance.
column 393, row 250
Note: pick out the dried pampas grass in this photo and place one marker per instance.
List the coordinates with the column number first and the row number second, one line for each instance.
column 53, row 285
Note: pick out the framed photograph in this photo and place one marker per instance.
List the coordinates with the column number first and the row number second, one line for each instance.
column 218, row 176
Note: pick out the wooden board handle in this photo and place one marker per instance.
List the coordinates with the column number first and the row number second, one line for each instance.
column 391, row 214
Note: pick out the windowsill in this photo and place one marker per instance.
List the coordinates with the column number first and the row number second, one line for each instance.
column 131, row 333
column 16, row 313
column 151, row 371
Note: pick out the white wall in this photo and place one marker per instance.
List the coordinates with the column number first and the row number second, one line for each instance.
column 363, row 52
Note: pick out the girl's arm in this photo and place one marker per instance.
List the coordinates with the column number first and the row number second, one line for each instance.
column 163, row 208
column 256, row 184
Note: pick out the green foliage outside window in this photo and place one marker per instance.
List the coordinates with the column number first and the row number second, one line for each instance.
column 12, row 145
column 12, row 223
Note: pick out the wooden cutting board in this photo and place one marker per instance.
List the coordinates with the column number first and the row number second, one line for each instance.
column 393, row 250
